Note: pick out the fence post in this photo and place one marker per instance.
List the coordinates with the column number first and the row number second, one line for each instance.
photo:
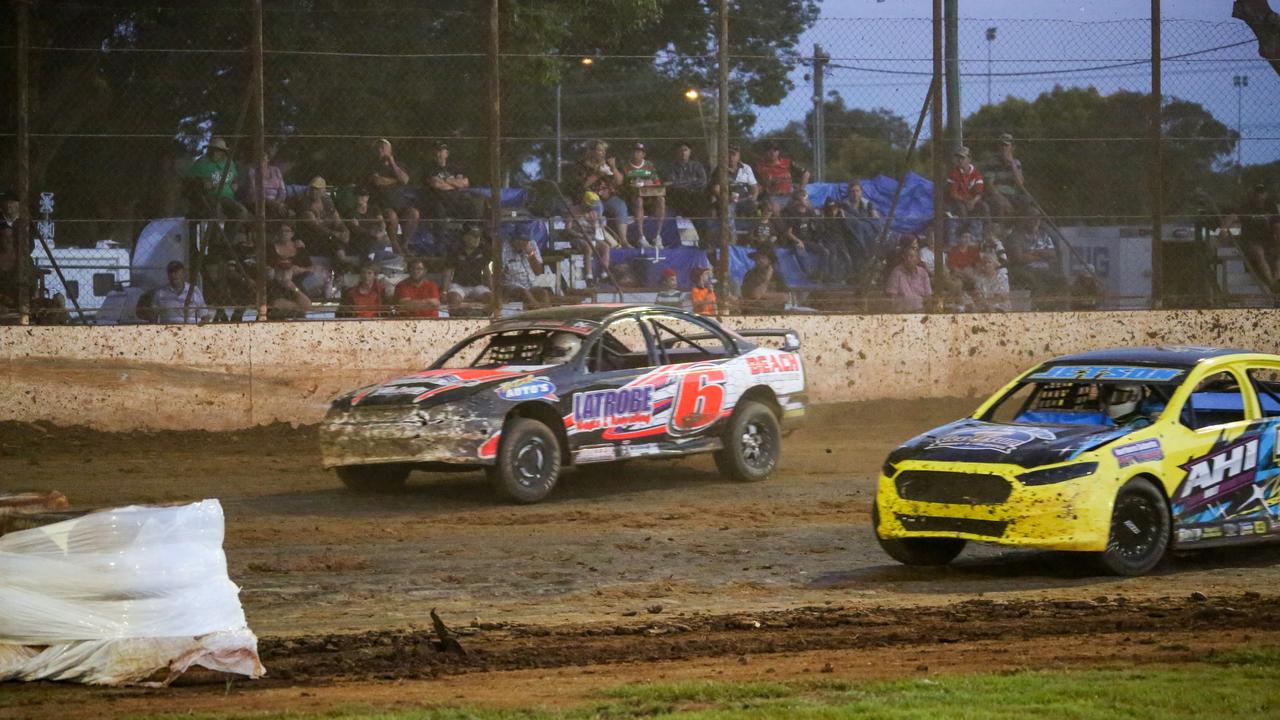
column 260, row 153
column 955, row 119
column 722, row 140
column 935, row 129
column 1157, row 164
column 495, row 159
column 22, row 233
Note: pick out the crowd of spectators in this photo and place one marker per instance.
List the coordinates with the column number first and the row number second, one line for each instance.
column 346, row 246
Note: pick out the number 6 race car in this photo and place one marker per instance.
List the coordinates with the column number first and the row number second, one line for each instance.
column 532, row 394
column 1124, row 453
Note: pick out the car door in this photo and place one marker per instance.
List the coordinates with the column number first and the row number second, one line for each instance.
column 692, row 358
column 613, row 405
column 1214, row 451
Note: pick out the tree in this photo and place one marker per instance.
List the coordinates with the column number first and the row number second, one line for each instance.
column 1087, row 155
column 148, row 82
column 860, row 143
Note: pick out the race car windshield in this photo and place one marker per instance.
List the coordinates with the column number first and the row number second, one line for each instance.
column 523, row 347
column 1081, row 403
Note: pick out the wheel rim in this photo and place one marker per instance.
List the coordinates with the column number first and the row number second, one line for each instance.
column 1135, row 528
column 531, row 463
column 757, row 446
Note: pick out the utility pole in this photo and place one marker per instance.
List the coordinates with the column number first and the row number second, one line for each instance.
column 991, row 39
column 955, row 122
column 820, row 60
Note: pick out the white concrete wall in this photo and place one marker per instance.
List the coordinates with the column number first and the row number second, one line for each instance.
column 221, row 377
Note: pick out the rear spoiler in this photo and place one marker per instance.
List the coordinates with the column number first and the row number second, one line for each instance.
column 790, row 338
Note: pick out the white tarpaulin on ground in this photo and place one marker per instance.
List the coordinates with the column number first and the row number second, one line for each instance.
column 116, row 596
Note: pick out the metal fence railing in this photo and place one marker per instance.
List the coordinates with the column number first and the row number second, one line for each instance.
column 137, row 132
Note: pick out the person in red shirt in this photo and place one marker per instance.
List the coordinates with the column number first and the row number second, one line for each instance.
column 964, row 193
column 777, row 174
column 962, row 259
column 417, row 296
column 364, row 300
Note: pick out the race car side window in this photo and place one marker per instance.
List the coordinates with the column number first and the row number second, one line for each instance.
column 1012, row 405
column 1266, row 384
column 622, row 346
column 680, row 340
column 1216, row 400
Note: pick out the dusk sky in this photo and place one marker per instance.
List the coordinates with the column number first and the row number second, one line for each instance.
column 877, row 41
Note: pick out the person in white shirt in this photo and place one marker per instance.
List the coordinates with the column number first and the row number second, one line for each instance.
column 179, row 301
column 521, row 264
column 744, row 189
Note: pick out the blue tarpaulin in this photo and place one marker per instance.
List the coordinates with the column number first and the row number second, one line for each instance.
column 915, row 207
column 682, row 259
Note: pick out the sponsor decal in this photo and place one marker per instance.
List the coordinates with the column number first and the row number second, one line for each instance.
column 1139, row 452
column 613, row 407
column 1001, row 439
column 424, row 384
column 639, row 450
column 594, row 453
column 1186, row 535
column 1218, row 474
column 773, row 363
column 699, row 401
column 1105, row 372
column 532, row 387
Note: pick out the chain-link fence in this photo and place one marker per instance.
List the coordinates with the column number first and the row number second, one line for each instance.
column 378, row 125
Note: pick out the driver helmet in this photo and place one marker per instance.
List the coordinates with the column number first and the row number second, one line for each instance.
column 560, row 347
column 1122, row 400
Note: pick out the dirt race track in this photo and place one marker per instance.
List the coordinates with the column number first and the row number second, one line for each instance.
column 652, row 569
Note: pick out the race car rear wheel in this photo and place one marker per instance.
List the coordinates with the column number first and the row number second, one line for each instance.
column 528, row 462
column 374, row 478
column 1139, row 530
column 752, row 444
column 916, row 551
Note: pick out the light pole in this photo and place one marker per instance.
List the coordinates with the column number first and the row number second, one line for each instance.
column 991, row 38
column 586, row 62
column 1241, row 82
column 694, row 95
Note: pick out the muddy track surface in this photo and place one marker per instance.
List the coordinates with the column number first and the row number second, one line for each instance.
column 390, row 655
column 630, row 573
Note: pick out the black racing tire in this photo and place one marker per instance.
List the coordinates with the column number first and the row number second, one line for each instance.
column 928, row 552
column 752, row 444
column 384, row 478
column 528, row 463
column 1140, row 530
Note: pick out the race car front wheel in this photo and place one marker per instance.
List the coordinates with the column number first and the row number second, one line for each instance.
column 916, row 551
column 1139, row 530
column 528, row 462
column 374, row 478
column 752, row 443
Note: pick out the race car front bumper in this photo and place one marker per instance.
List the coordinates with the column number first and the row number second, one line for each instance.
column 987, row 503
column 407, row 434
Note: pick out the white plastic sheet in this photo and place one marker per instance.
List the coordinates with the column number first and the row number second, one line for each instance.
column 115, row 596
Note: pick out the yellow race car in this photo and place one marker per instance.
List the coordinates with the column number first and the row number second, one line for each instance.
column 1124, row 453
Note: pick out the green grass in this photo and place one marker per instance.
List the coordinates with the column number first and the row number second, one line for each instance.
column 1241, row 683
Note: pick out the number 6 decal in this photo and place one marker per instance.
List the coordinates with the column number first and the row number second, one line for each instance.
column 699, row 400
